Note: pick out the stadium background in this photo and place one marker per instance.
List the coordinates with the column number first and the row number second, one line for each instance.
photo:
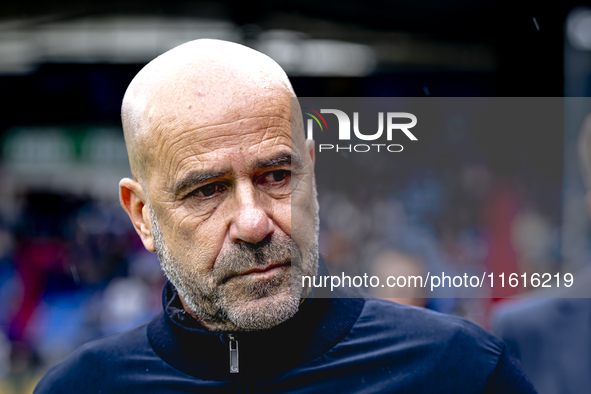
column 71, row 267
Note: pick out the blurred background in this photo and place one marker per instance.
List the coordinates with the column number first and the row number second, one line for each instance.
column 71, row 266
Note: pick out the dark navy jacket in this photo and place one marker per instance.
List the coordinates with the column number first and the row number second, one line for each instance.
column 329, row 346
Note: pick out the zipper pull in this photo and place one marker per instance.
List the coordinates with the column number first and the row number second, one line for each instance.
column 233, row 345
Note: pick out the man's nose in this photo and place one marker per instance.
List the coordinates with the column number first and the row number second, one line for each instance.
column 250, row 222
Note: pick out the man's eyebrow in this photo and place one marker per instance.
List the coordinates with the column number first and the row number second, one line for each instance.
column 196, row 178
column 279, row 159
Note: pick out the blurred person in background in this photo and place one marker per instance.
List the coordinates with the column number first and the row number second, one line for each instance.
column 226, row 196
column 391, row 263
column 551, row 334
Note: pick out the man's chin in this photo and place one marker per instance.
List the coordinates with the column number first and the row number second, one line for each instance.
column 264, row 312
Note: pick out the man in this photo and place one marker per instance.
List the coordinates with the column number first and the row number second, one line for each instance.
column 551, row 334
column 224, row 192
column 391, row 262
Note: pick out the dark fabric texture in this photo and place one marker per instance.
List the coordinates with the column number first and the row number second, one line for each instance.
column 507, row 378
column 330, row 346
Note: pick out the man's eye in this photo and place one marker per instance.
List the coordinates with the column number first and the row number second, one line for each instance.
column 208, row 190
column 275, row 176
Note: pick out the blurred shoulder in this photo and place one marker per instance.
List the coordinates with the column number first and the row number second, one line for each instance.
column 94, row 363
column 534, row 315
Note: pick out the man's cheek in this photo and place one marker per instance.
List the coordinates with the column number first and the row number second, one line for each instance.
column 302, row 227
column 281, row 215
column 210, row 243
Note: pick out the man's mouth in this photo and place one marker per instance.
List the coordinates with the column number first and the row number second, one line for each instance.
column 266, row 271
column 262, row 272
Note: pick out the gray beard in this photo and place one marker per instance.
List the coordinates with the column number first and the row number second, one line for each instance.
column 229, row 301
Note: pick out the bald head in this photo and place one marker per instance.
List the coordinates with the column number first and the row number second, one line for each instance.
column 200, row 83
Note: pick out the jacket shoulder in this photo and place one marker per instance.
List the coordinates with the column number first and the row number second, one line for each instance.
column 432, row 329
column 431, row 349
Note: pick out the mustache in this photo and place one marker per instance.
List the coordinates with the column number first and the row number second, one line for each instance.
column 243, row 257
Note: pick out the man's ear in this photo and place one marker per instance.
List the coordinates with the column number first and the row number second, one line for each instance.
column 134, row 202
column 310, row 147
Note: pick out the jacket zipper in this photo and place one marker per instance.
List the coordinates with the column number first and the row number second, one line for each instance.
column 233, row 346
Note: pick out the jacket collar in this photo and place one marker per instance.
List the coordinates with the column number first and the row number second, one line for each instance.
column 183, row 343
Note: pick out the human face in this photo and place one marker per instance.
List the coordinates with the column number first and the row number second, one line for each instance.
column 222, row 198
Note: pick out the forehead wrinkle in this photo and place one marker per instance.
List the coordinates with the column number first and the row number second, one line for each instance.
column 194, row 158
column 220, row 145
column 204, row 129
column 220, row 139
